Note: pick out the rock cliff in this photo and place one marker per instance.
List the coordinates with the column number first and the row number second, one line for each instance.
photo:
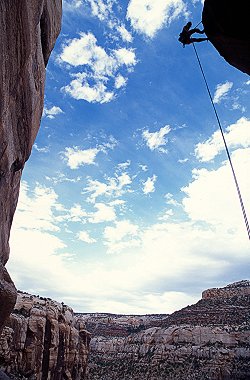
column 209, row 340
column 43, row 340
column 28, row 31
column 226, row 23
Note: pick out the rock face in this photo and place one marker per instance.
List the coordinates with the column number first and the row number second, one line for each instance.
column 43, row 340
column 28, row 31
column 226, row 23
column 209, row 340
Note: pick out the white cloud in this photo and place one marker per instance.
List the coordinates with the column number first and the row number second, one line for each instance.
column 101, row 8
column 212, row 196
column 221, row 92
column 80, row 89
column 167, row 215
column 236, row 135
column 125, row 34
column 85, row 51
column 77, row 157
column 117, row 202
column 157, row 140
column 125, row 57
column 182, row 161
column 149, row 185
column 84, row 236
column 98, row 68
column 44, row 149
column 149, row 16
column 50, row 113
column 71, row 5
column 77, row 214
column 144, row 168
column 60, row 177
column 36, row 212
column 115, row 186
column 123, row 236
column 150, row 258
column 104, row 213
column 124, row 165
column 247, row 82
column 170, row 200
column 120, row 81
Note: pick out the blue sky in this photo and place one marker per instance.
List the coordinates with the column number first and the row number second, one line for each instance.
column 127, row 204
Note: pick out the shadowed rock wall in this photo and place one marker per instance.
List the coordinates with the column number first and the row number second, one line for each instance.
column 28, row 31
column 226, row 23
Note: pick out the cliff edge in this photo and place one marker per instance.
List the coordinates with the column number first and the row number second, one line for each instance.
column 207, row 340
column 226, row 23
column 43, row 340
column 28, row 30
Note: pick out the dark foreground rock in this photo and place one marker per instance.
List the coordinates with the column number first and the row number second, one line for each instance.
column 3, row 376
column 226, row 23
column 28, row 31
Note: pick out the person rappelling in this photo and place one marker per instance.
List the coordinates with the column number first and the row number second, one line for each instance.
column 186, row 38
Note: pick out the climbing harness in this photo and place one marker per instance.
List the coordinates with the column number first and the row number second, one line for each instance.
column 225, row 144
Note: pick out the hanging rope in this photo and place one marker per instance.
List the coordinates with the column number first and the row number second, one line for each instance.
column 198, row 24
column 227, row 151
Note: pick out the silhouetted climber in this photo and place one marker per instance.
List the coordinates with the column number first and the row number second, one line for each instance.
column 185, row 36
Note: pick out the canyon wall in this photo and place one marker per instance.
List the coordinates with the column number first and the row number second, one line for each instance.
column 209, row 340
column 43, row 340
column 28, row 31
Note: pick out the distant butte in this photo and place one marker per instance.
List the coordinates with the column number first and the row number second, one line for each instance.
column 226, row 23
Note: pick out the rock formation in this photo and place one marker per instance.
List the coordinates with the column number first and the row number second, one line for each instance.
column 226, row 23
column 28, row 31
column 43, row 340
column 209, row 340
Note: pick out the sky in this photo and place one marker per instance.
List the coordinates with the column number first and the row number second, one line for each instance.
column 127, row 203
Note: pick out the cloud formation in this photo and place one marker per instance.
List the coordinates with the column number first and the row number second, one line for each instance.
column 124, row 235
column 149, row 185
column 113, row 187
column 237, row 134
column 146, row 257
column 157, row 140
column 50, row 113
column 71, row 5
column 148, row 17
column 76, row 157
column 101, row 72
column 85, row 237
column 221, row 91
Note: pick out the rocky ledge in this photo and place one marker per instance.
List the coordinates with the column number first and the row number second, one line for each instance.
column 43, row 339
column 209, row 340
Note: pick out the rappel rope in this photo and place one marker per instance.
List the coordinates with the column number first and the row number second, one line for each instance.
column 198, row 24
column 224, row 140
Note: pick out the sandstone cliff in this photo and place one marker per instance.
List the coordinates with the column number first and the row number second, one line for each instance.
column 226, row 23
column 209, row 340
column 43, row 340
column 28, row 31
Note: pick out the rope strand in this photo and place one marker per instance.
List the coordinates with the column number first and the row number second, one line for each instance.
column 198, row 24
column 225, row 144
